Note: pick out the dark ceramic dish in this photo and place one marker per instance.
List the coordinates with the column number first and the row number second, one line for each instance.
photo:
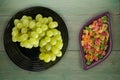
column 28, row 58
column 85, row 66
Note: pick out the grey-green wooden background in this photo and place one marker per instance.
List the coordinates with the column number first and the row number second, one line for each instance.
column 75, row 13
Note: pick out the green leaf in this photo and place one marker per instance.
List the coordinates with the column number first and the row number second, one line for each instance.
column 105, row 19
column 87, row 28
column 88, row 62
column 102, row 47
column 100, row 56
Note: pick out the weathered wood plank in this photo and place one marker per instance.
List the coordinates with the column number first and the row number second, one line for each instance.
column 75, row 7
column 69, row 68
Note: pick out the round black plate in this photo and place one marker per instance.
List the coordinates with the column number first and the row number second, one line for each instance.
column 28, row 58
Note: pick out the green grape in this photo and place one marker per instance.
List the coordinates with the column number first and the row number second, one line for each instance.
column 14, row 39
column 58, row 37
column 16, row 21
column 44, row 27
column 22, row 44
column 47, row 58
column 55, row 50
column 50, row 19
column 53, row 24
column 32, row 24
column 18, row 38
column 34, row 34
column 36, row 44
column 48, row 39
column 38, row 16
column 37, row 41
column 39, row 38
column 41, row 20
column 39, row 30
column 59, row 54
column 59, row 45
column 29, row 18
column 49, row 33
column 55, row 31
column 38, row 24
column 24, row 17
column 15, row 32
column 45, row 20
column 42, row 34
column 53, row 56
column 23, row 37
column 42, row 49
column 25, row 22
column 26, row 44
column 14, row 29
column 24, row 30
column 33, row 41
column 19, row 25
column 42, row 43
column 48, row 47
column 41, row 56
column 53, row 41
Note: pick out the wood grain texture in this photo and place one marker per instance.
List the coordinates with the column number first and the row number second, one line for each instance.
column 71, row 7
column 69, row 68
column 75, row 13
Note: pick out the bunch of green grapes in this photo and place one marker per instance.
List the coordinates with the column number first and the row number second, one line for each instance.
column 51, row 45
column 39, row 32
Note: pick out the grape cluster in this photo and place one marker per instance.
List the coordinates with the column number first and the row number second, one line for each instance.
column 39, row 32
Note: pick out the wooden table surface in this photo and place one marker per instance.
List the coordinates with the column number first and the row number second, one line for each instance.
column 75, row 13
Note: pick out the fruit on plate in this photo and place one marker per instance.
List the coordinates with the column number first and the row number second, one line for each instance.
column 40, row 32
